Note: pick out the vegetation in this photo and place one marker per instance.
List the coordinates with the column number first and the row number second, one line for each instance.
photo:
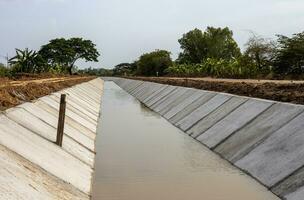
column 215, row 53
column 212, row 52
column 154, row 63
column 58, row 56
column 4, row 71
column 124, row 69
column 290, row 54
column 215, row 43
column 64, row 53
column 96, row 72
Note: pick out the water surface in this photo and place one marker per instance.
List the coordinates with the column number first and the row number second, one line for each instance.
column 140, row 156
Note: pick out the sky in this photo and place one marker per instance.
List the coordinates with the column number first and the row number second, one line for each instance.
column 125, row 29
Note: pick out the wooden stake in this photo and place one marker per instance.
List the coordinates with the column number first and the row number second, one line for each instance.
column 60, row 128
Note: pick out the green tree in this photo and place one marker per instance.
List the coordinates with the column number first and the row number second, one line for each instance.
column 261, row 51
column 24, row 61
column 65, row 52
column 194, row 47
column 125, row 69
column 290, row 54
column 154, row 63
column 216, row 43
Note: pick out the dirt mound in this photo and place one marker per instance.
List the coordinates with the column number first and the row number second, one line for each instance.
column 284, row 91
column 15, row 92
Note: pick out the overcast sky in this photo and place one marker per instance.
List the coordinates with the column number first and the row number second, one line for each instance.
column 124, row 29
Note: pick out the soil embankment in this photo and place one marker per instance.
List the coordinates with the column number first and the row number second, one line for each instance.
column 284, row 91
column 15, row 92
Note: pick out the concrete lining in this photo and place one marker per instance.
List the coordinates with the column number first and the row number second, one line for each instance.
column 158, row 97
column 202, row 111
column 20, row 179
column 176, row 94
column 176, row 101
column 246, row 139
column 73, row 123
column 70, row 114
column 45, row 154
column 216, row 116
column 27, row 136
column 263, row 138
column 279, row 155
column 233, row 122
column 30, row 122
column 191, row 107
column 183, row 104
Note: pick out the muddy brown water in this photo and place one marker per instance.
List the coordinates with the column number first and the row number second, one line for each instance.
column 140, row 156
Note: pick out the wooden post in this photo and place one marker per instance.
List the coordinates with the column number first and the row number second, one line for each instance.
column 60, row 127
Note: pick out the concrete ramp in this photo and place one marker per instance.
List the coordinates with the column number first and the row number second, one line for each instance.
column 32, row 165
column 263, row 138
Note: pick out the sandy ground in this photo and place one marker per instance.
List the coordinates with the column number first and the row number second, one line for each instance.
column 15, row 92
column 278, row 90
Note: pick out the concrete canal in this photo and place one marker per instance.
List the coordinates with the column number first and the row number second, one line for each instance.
column 140, row 156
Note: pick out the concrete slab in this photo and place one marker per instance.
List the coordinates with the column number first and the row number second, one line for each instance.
column 216, row 116
column 141, row 88
column 160, row 95
column 154, row 94
column 132, row 86
column 169, row 105
column 80, row 137
column 36, row 125
column 233, row 122
column 90, row 94
column 191, row 107
column 297, row 195
column 290, row 184
column 246, row 139
column 158, row 106
column 70, row 114
column 154, row 88
column 202, row 111
column 45, row 154
column 94, row 107
column 280, row 154
column 71, row 122
column 183, row 104
column 147, row 89
column 22, row 180
column 75, row 107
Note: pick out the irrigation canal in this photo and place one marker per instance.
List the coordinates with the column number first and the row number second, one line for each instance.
column 140, row 156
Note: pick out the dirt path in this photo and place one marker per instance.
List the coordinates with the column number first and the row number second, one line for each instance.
column 15, row 92
column 254, row 81
column 278, row 90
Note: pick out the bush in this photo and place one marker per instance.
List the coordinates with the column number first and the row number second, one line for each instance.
column 154, row 63
column 4, row 71
column 242, row 67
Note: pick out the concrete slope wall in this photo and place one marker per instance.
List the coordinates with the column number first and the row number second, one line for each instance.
column 263, row 138
column 32, row 166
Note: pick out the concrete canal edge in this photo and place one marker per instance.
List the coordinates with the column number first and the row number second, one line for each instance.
column 32, row 166
column 263, row 138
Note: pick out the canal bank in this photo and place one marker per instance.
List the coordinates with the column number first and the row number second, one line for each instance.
column 142, row 156
column 263, row 138
column 32, row 166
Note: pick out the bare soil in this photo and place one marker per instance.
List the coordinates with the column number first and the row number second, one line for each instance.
column 278, row 90
column 15, row 92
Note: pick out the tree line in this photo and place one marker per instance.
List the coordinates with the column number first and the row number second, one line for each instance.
column 214, row 52
column 58, row 56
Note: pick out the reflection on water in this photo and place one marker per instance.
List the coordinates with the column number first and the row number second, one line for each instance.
column 140, row 156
